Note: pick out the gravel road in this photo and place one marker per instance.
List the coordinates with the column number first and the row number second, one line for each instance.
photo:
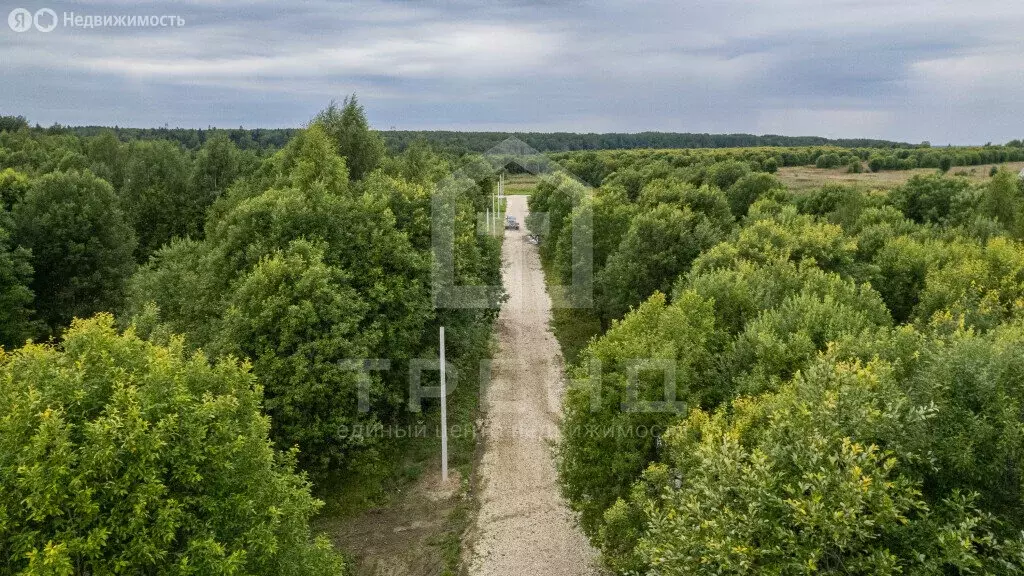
column 524, row 526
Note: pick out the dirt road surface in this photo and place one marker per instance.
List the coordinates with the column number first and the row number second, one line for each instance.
column 524, row 526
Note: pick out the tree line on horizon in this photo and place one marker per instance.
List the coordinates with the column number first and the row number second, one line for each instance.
column 461, row 142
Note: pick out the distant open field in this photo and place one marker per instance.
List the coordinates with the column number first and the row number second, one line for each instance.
column 521, row 183
column 803, row 178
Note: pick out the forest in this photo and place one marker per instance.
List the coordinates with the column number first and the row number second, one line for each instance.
column 780, row 383
column 463, row 142
column 174, row 331
column 760, row 380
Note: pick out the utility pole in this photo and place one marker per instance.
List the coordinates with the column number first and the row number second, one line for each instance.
column 444, row 416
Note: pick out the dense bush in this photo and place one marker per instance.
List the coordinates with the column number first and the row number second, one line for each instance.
column 15, row 295
column 660, row 244
column 118, row 455
column 609, row 437
column 156, row 197
column 307, row 274
column 815, row 477
column 81, row 246
column 293, row 251
column 749, row 189
column 929, row 198
column 851, row 365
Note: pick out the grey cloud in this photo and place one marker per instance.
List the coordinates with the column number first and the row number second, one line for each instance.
column 920, row 69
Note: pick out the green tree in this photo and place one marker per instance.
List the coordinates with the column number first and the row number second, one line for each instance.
column 15, row 295
column 748, row 189
column 608, row 213
column 609, row 436
column 419, row 163
column 929, row 198
column 1002, row 199
column 362, row 148
column 12, row 123
column 659, row 246
column 982, row 286
column 554, row 200
column 299, row 277
column 156, row 197
column 781, row 341
column 118, row 455
column 81, row 246
column 725, row 174
column 777, row 231
column 217, row 165
column 707, row 200
column 298, row 318
column 106, row 157
column 13, row 185
column 814, row 478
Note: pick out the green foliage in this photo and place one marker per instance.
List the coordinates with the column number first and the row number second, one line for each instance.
column 81, row 246
column 973, row 385
column 362, row 148
column 928, row 198
column 982, row 286
column 660, row 244
column 117, row 455
column 874, row 226
column 156, row 196
column 308, row 273
column 603, row 219
column 419, row 163
column 13, row 186
column 217, row 166
column 608, row 439
column 902, row 264
column 106, row 158
column 1003, row 200
column 725, row 174
column 361, row 288
column 824, row 439
column 12, row 123
column 829, row 160
column 749, row 189
column 707, row 200
column 297, row 317
column 778, row 231
column 15, row 295
column 554, row 200
column 783, row 339
column 811, row 479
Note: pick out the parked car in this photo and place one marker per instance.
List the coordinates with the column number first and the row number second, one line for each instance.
column 510, row 223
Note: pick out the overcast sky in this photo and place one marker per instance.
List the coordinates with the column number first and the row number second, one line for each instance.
column 911, row 70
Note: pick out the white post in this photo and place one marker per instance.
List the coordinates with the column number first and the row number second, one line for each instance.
column 444, row 416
